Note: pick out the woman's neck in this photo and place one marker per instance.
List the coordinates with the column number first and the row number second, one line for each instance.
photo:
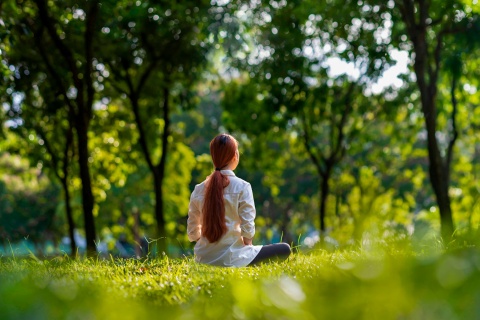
column 228, row 167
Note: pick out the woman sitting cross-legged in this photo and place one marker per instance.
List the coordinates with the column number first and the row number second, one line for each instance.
column 222, row 212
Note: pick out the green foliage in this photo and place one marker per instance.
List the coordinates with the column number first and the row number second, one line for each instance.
column 27, row 202
column 179, row 174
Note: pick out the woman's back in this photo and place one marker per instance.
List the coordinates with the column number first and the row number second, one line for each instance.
column 221, row 214
column 239, row 219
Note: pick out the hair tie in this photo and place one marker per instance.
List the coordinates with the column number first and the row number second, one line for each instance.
column 217, row 169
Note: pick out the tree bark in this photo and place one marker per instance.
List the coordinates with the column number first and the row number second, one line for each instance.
column 87, row 195
column 438, row 176
column 426, row 65
column 324, row 192
column 161, row 232
column 68, row 207
column 71, row 224
column 160, row 173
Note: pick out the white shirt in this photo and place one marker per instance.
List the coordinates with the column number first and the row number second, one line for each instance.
column 229, row 251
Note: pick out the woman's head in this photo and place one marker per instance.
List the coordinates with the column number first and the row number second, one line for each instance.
column 223, row 149
column 224, row 152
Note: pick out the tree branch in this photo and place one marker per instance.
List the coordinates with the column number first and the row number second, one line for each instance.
column 150, row 50
column 128, row 80
column 454, row 137
column 116, row 71
column 433, row 72
column 146, row 75
column 407, row 11
column 64, row 50
column 51, row 69
column 133, row 95
column 141, row 131
column 120, row 90
column 68, row 146
column 332, row 133
column 49, row 148
column 341, row 125
column 306, row 142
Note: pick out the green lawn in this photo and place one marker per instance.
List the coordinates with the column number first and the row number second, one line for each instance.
column 385, row 282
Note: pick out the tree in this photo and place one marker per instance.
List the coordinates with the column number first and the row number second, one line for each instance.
column 427, row 26
column 161, row 57
column 289, row 69
column 64, row 38
column 53, row 141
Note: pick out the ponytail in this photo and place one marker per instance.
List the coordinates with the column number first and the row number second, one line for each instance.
column 222, row 150
column 214, row 226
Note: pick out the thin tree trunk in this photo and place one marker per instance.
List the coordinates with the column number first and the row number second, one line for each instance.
column 323, row 203
column 439, row 179
column 438, row 176
column 87, row 195
column 63, row 177
column 85, row 114
column 162, row 240
column 71, row 224
column 324, row 192
column 337, row 205
column 160, row 173
column 427, row 67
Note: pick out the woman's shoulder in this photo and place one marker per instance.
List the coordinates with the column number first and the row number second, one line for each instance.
column 199, row 188
column 238, row 184
column 240, row 181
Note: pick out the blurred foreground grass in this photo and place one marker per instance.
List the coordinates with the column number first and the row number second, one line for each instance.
column 383, row 282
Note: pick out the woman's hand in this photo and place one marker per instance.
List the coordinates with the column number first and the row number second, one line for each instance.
column 246, row 241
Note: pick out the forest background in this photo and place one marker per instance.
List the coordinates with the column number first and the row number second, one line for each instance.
column 108, row 108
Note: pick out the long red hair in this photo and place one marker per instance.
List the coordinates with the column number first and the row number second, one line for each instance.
column 222, row 150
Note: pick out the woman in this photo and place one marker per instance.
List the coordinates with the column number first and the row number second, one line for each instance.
column 222, row 212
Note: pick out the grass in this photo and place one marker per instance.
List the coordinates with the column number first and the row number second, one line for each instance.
column 381, row 282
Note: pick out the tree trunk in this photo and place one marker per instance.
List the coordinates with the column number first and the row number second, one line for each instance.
column 84, row 116
column 324, row 191
column 64, row 180
column 162, row 239
column 159, row 174
column 438, row 175
column 439, row 182
column 87, row 196
column 158, row 171
column 71, row 224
